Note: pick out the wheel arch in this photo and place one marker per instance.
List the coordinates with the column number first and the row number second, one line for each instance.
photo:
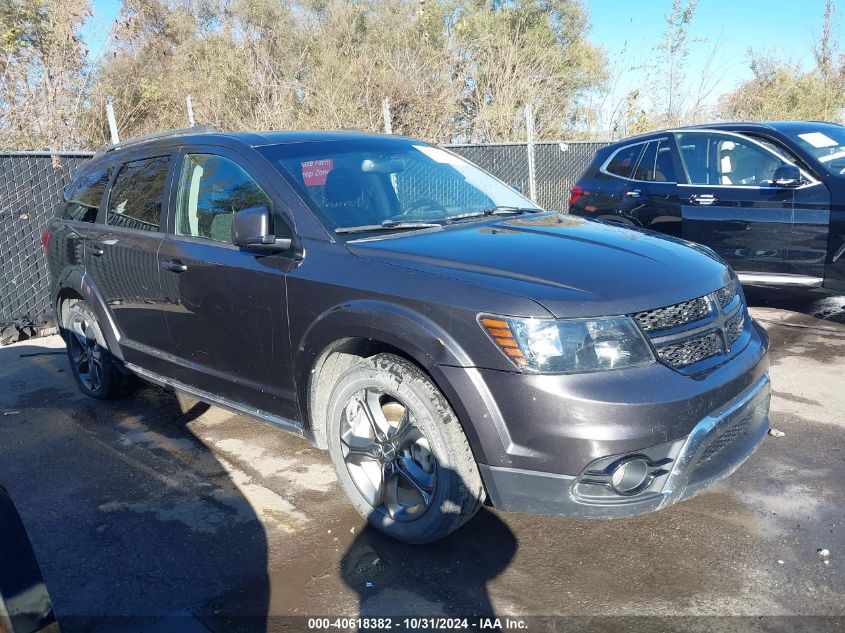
column 74, row 283
column 345, row 334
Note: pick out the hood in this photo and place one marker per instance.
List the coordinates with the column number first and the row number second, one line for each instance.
column 572, row 266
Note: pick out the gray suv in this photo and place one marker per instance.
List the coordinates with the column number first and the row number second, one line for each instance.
column 446, row 340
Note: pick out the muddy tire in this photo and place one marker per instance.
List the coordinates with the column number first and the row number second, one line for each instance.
column 399, row 451
column 92, row 364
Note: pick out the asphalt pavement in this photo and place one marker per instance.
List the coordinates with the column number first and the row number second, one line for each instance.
column 156, row 511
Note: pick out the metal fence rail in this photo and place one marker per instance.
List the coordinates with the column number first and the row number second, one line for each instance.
column 31, row 185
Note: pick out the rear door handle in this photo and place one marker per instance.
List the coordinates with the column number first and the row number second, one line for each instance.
column 633, row 193
column 703, row 198
column 96, row 250
column 175, row 265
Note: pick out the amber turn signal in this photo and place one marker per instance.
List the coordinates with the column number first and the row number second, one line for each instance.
column 500, row 331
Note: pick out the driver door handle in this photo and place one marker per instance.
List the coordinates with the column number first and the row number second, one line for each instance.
column 703, row 198
column 96, row 250
column 633, row 193
column 175, row 265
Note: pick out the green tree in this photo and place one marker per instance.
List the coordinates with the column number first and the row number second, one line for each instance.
column 41, row 72
column 780, row 90
column 451, row 69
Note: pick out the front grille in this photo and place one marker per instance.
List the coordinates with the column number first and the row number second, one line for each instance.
column 692, row 331
column 691, row 350
column 734, row 327
column 726, row 294
column 673, row 316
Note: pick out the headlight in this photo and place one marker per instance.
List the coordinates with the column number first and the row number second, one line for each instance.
column 569, row 345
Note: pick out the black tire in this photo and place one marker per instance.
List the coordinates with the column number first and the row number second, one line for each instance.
column 91, row 362
column 428, row 437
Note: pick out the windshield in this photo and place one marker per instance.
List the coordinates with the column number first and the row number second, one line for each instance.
column 391, row 184
column 826, row 144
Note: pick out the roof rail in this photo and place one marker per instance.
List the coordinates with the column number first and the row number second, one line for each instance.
column 196, row 129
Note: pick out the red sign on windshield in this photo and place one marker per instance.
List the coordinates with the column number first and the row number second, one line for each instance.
column 314, row 172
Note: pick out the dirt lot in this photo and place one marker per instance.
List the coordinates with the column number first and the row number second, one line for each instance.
column 156, row 505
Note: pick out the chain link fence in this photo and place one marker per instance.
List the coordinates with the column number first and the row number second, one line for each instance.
column 557, row 166
column 31, row 186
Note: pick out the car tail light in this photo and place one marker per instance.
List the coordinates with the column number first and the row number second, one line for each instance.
column 576, row 193
column 45, row 239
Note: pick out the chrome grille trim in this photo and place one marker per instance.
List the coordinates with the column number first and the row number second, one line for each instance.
column 692, row 331
column 734, row 328
column 726, row 294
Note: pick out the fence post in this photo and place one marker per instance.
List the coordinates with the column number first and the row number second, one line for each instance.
column 190, row 103
column 529, row 135
column 112, row 122
column 385, row 114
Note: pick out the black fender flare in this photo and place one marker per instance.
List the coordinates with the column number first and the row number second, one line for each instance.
column 76, row 279
column 424, row 341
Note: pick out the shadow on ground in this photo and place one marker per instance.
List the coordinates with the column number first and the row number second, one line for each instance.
column 170, row 527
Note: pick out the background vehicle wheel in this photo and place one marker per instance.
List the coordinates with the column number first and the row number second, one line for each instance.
column 90, row 360
column 399, row 451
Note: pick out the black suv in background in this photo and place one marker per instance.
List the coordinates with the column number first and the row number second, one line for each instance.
column 445, row 339
column 768, row 197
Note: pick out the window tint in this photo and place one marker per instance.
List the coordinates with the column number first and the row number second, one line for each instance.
column 715, row 159
column 624, row 160
column 211, row 190
column 135, row 199
column 82, row 200
column 664, row 165
column 645, row 167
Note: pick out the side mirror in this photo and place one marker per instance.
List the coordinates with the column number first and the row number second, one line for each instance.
column 251, row 231
column 787, row 176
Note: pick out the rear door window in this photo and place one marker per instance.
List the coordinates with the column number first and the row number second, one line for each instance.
column 664, row 164
column 645, row 166
column 656, row 164
column 622, row 163
column 82, row 199
column 137, row 194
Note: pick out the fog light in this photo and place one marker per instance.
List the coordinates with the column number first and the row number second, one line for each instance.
column 630, row 477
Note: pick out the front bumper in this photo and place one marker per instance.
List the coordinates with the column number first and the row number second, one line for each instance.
column 715, row 448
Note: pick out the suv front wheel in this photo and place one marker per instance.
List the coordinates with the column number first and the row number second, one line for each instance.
column 399, row 451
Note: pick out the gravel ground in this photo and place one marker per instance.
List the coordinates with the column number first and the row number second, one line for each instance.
column 157, row 505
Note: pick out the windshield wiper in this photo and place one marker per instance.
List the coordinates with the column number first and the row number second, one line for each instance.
column 388, row 225
column 481, row 213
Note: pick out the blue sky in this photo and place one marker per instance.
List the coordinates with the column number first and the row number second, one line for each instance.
column 635, row 26
column 731, row 27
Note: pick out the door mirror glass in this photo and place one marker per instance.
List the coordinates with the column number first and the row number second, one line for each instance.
column 251, row 230
column 787, row 176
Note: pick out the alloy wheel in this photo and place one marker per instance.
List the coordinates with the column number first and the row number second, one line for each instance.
column 387, row 455
column 86, row 354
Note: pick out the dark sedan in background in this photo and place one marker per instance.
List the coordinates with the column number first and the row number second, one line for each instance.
column 768, row 197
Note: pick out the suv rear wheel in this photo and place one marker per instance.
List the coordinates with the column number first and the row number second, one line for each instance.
column 399, row 451
column 90, row 360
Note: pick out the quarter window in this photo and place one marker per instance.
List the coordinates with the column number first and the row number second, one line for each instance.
column 212, row 189
column 135, row 200
column 624, row 160
column 82, row 201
